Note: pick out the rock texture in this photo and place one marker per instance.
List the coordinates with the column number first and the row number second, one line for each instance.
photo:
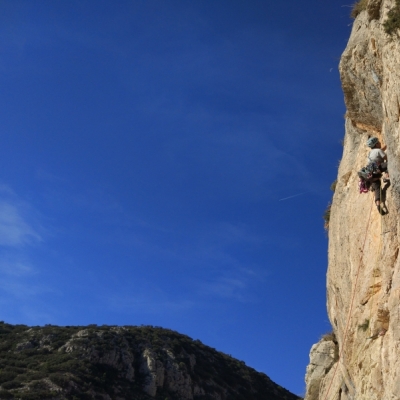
column 363, row 278
column 122, row 363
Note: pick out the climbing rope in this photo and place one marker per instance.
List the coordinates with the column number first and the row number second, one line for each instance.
column 378, row 254
column 352, row 301
column 346, row 330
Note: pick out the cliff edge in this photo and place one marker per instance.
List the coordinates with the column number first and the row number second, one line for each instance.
column 361, row 359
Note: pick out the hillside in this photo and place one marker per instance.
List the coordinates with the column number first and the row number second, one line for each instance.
column 360, row 360
column 122, row 363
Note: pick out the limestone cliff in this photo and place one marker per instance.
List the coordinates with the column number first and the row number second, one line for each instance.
column 363, row 278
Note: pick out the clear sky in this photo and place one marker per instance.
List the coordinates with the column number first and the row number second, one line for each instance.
column 167, row 163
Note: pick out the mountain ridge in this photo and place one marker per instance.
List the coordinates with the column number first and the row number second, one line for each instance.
column 122, row 363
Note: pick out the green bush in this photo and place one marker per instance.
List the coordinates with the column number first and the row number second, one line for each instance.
column 15, row 369
column 6, row 376
column 5, row 394
column 5, row 346
column 38, row 385
column 36, row 375
column 37, row 395
column 358, row 7
column 60, row 379
column 11, row 385
column 392, row 23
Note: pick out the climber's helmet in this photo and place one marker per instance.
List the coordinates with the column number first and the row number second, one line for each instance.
column 371, row 142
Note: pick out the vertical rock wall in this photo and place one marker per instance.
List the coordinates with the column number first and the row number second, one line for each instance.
column 363, row 278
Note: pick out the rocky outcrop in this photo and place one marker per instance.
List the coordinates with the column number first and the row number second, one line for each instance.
column 323, row 355
column 363, row 278
column 118, row 355
column 153, row 370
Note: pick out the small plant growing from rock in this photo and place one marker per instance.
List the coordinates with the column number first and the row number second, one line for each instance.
column 329, row 337
column 327, row 216
column 364, row 326
column 359, row 6
column 392, row 23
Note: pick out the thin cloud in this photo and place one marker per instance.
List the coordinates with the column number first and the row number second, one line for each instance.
column 237, row 286
column 295, row 195
column 226, row 288
column 148, row 303
column 46, row 176
column 14, row 229
column 20, row 282
column 16, row 220
column 19, row 278
column 15, row 268
column 17, row 290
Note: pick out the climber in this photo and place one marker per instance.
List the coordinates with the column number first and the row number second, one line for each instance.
column 378, row 157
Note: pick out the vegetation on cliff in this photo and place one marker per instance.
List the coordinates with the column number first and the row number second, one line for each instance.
column 327, row 216
column 392, row 23
column 358, row 7
column 327, row 213
column 102, row 362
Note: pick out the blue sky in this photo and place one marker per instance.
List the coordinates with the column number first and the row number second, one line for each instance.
column 168, row 163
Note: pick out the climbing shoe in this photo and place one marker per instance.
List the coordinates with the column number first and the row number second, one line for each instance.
column 381, row 210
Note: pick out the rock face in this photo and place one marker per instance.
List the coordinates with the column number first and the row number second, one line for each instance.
column 323, row 355
column 122, row 363
column 363, row 278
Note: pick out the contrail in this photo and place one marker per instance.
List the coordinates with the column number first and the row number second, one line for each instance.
column 291, row 197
